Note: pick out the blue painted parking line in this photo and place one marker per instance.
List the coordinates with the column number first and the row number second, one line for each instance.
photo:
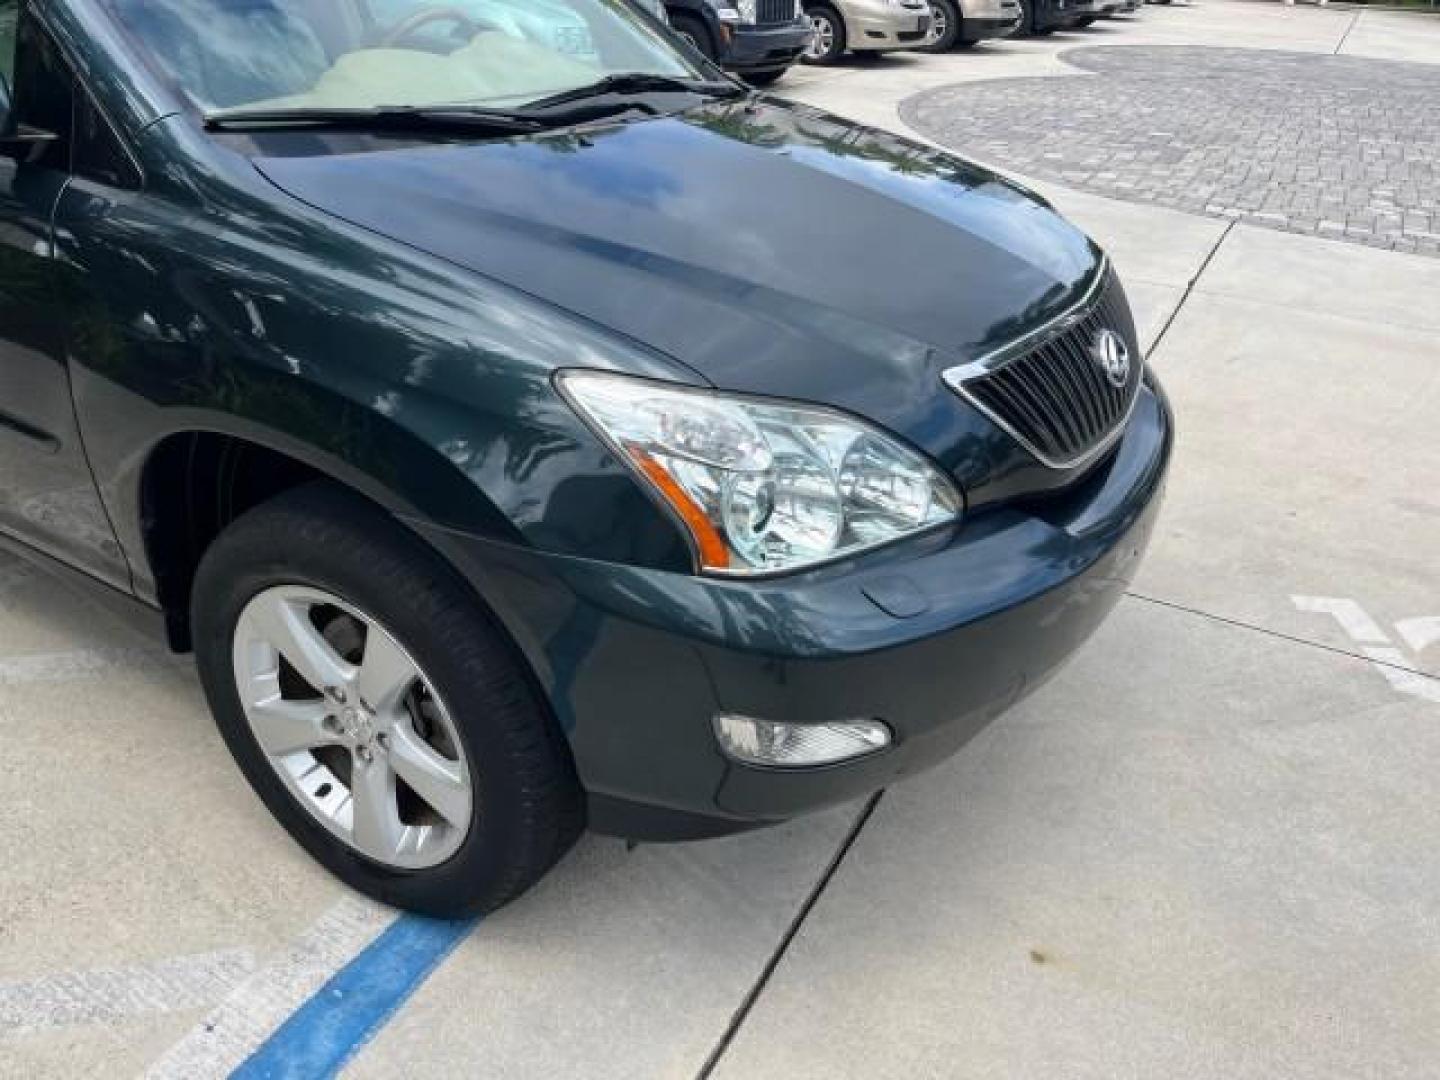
column 325, row 1032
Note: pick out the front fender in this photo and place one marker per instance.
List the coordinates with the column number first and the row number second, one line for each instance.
column 215, row 302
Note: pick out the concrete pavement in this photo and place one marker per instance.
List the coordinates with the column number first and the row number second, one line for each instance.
column 1199, row 853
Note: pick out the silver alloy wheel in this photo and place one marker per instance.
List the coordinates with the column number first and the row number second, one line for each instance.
column 939, row 23
column 822, row 36
column 352, row 726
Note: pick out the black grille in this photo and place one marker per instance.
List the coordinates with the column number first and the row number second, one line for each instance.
column 1056, row 398
column 768, row 12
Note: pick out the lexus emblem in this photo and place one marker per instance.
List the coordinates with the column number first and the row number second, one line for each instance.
column 1113, row 356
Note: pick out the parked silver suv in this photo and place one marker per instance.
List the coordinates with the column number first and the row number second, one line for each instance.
column 843, row 26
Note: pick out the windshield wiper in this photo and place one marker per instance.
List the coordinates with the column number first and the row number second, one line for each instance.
column 459, row 118
column 633, row 82
column 535, row 116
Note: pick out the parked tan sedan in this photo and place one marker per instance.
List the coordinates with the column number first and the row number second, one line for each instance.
column 843, row 26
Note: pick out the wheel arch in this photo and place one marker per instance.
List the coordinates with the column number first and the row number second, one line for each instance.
column 202, row 474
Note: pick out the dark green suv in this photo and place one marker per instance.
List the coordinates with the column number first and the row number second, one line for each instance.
column 527, row 425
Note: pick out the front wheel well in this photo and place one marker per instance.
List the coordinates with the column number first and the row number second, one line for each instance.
column 194, row 485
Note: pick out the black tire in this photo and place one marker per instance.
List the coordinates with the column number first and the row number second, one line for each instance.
column 838, row 43
column 1027, row 19
column 1088, row 20
column 528, row 806
column 694, row 31
column 764, row 78
column 949, row 11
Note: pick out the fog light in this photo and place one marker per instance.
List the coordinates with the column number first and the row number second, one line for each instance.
column 793, row 746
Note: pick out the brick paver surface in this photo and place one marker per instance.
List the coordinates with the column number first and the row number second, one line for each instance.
column 1335, row 146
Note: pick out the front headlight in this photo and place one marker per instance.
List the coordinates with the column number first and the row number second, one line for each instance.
column 764, row 485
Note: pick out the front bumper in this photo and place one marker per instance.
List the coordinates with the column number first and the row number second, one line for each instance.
column 1061, row 14
column 936, row 636
column 983, row 29
column 886, row 30
column 766, row 48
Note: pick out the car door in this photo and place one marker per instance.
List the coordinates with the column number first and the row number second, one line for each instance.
column 48, row 496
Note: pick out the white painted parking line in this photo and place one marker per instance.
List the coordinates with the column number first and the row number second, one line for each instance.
column 91, row 997
column 1393, row 664
column 80, row 664
column 1420, row 633
column 1353, row 619
column 241, row 1023
column 1398, row 668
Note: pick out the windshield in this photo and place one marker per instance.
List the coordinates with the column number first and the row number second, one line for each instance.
column 362, row 54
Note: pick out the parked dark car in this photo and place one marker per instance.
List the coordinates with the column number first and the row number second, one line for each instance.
column 525, row 433
column 759, row 40
column 1040, row 17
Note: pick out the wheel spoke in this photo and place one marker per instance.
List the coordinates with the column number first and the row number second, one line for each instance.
column 376, row 828
column 362, row 682
column 283, row 727
column 439, row 782
column 286, row 625
column 386, row 673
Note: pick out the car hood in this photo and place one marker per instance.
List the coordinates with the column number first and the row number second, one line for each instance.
column 767, row 246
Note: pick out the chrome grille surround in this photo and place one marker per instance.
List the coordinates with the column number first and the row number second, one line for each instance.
column 770, row 12
column 1046, row 389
